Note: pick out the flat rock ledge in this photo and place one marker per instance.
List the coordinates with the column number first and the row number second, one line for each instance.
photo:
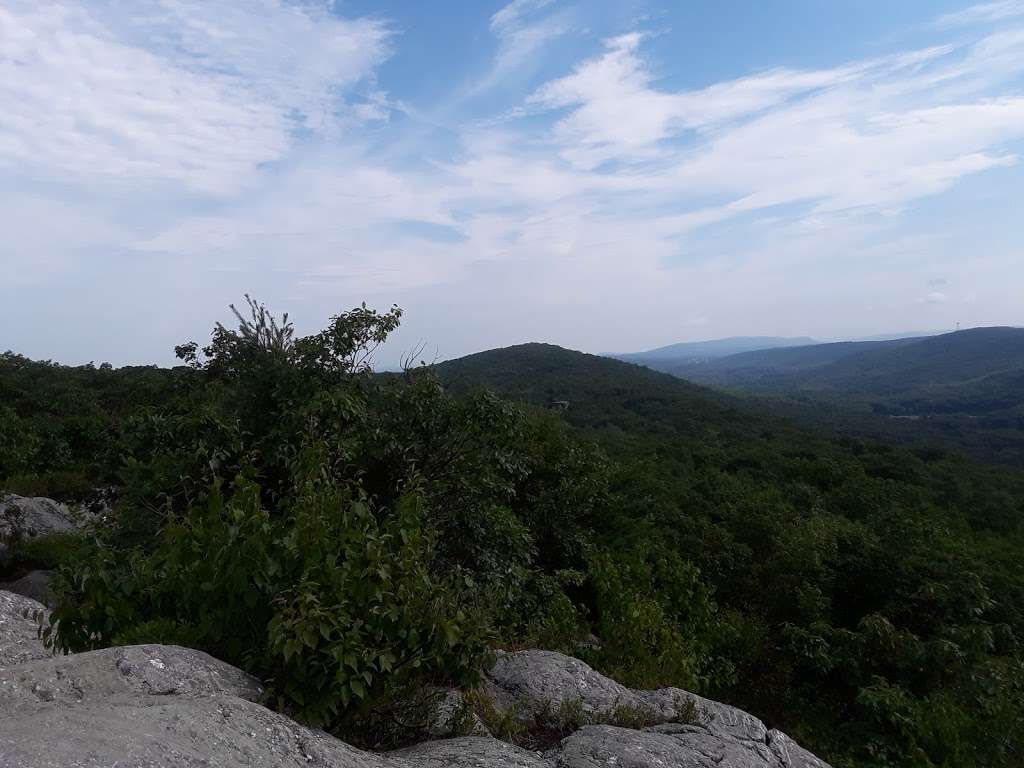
column 157, row 706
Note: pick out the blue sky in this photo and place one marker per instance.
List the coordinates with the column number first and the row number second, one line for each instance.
column 603, row 175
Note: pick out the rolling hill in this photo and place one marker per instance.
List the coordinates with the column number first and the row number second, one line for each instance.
column 964, row 388
column 876, row 366
column 604, row 395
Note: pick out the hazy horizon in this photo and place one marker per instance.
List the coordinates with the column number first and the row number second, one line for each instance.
column 604, row 176
column 391, row 357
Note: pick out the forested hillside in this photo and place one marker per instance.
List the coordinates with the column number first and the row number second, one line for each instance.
column 351, row 538
column 961, row 391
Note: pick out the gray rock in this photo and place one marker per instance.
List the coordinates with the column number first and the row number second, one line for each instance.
column 34, row 584
column 23, row 517
column 159, row 706
column 718, row 718
column 19, row 630
column 685, row 747
column 447, row 712
column 466, row 752
column 680, row 746
column 723, row 736
column 534, row 681
column 173, row 731
column 791, row 754
column 121, row 674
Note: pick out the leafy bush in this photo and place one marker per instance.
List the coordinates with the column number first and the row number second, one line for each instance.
column 656, row 616
column 343, row 537
column 65, row 485
column 332, row 603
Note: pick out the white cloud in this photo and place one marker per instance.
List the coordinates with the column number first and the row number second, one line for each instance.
column 982, row 13
column 510, row 17
column 872, row 134
column 200, row 94
column 522, row 32
column 935, row 297
column 620, row 115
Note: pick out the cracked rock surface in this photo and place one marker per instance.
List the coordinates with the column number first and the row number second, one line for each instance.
column 158, row 706
column 19, row 635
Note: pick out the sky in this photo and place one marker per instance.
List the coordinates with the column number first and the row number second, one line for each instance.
column 607, row 176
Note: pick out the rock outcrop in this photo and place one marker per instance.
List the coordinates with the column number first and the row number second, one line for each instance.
column 23, row 517
column 534, row 682
column 19, row 631
column 161, row 706
column 34, row 584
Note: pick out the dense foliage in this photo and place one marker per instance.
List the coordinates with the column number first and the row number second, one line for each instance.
column 61, row 426
column 351, row 537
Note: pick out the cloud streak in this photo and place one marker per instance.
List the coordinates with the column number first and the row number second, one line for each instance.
column 983, row 13
column 194, row 93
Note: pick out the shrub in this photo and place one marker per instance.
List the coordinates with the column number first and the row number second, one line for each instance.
column 63, row 485
column 331, row 603
column 656, row 617
column 44, row 552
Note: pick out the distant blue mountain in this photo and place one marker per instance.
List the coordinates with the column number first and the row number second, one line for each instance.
column 697, row 351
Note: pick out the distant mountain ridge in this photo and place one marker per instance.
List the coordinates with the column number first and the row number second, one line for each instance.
column 689, row 351
column 671, row 357
column 875, row 366
column 964, row 388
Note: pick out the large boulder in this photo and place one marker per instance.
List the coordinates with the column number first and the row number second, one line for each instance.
column 23, row 517
column 668, row 727
column 165, row 731
column 534, row 681
column 121, row 674
column 34, row 584
column 161, row 706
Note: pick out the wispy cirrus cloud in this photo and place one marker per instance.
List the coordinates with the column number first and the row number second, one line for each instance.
column 982, row 13
column 507, row 19
column 176, row 90
column 619, row 114
column 875, row 134
column 522, row 28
